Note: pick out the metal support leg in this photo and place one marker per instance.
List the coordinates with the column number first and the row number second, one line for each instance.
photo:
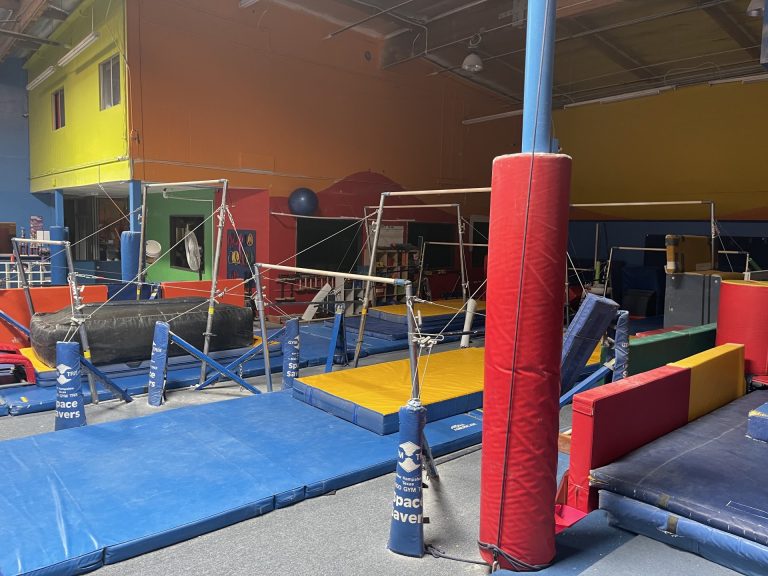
column 263, row 327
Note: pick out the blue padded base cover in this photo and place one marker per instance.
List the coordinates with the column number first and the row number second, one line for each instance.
column 708, row 471
column 77, row 498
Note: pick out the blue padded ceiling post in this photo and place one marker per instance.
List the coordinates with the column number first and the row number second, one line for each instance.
column 134, row 204
column 58, row 207
column 539, row 69
column 70, row 406
column 58, row 232
column 290, row 353
column 158, row 363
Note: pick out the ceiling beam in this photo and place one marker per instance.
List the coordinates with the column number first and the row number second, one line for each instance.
column 618, row 54
column 459, row 24
column 735, row 29
column 9, row 4
column 55, row 13
column 401, row 48
column 27, row 38
column 28, row 12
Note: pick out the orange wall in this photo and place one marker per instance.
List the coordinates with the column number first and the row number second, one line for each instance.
column 258, row 96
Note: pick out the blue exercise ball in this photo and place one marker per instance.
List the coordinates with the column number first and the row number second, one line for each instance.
column 303, row 202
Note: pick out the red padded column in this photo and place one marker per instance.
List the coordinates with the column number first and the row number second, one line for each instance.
column 742, row 318
column 524, row 334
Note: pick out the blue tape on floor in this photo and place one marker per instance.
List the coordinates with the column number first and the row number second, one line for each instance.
column 136, row 485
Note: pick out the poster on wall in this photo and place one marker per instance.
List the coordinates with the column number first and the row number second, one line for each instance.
column 241, row 253
column 35, row 225
column 391, row 236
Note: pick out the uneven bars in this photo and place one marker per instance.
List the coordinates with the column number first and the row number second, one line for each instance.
column 33, row 241
column 342, row 275
column 356, row 218
column 711, row 203
column 456, row 244
column 401, row 206
column 437, row 192
column 664, row 203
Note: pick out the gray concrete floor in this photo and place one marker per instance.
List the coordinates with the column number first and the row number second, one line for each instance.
column 346, row 532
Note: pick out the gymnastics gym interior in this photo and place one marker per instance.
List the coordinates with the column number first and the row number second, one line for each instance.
column 341, row 287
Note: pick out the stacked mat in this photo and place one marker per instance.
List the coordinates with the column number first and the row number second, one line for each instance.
column 695, row 488
column 371, row 396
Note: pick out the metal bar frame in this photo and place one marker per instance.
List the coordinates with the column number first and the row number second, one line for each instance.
column 106, row 380
column 710, row 203
column 15, row 323
column 263, row 327
column 390, row 281
column 74, row 290
column 214, row 277
column 236, row 363
column 374, row 245
column 203, row 357
column 222, row 183
column 142, row 240
column 485, row 189
column 20, row 272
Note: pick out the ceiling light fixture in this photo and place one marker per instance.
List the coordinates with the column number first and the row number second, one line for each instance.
column 472, row 63
column 621, row 97
column 44, row 75
column 81, row 47
column 741, row 79
column 499, row 116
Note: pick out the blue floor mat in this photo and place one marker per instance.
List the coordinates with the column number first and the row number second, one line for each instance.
column 182, row 372
column 371, row 344
column 136, row 485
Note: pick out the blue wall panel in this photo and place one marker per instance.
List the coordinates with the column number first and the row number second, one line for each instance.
column 16, row 202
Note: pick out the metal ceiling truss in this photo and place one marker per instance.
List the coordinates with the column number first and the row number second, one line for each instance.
column 27, row 13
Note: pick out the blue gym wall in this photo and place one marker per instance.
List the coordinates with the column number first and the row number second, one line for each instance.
column 16, row 202
column 581, row 240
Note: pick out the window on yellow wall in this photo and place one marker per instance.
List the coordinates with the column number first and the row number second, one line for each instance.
column 58, row 109
column 109, row 82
